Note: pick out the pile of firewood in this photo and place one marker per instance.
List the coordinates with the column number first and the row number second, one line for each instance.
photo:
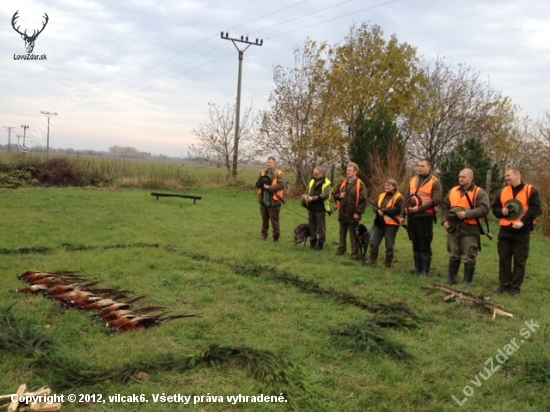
column 459, row 296
column 30, row 401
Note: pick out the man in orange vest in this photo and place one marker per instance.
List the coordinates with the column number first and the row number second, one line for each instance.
column 271, row 185
column 424, row 195
column 386, row 224
column 515, row 229
column 461, row 210
column 351, row 197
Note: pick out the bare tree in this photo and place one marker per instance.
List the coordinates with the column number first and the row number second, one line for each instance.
column 388, row 166
column 539, row 172
column 216, row 136
column 298, row 127
column 459, row 106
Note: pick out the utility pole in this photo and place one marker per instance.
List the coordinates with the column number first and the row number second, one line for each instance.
column 10, row 128
column 25, row 127
column 238, row 111
column 48, row 139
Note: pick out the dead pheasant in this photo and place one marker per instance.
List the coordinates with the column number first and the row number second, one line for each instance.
column 120, row 308
column 145, row 322
column 34, row 289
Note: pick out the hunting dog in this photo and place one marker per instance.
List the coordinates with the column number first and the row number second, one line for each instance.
column 301, row 233
column 363, row 238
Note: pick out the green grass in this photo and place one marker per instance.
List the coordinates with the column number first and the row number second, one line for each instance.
column 182, row 256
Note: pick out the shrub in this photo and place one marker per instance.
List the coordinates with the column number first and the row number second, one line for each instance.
column 62, row 172
column 15, row 178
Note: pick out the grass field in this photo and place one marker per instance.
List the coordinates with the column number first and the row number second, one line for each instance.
column 208, row 259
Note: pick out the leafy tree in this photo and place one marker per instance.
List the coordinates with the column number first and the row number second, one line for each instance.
column 124, row 151
column 314, row 106
column 368, row 71
column 376, row 144
column 471, row 155
column 216, row 137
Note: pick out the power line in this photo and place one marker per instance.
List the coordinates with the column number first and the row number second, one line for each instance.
column 157, row 75
column 334, row 18
column 267, row 15
column 253, row 20
column 201, row 42
column 151, row 85
column 302, row 16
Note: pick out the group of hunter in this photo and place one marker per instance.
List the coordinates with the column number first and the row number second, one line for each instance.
column 462, row 210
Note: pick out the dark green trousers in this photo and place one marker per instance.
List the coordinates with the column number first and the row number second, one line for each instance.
column 513, row 251
column 318, row 226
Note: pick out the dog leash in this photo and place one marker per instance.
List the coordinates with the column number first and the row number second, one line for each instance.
column 297, row 214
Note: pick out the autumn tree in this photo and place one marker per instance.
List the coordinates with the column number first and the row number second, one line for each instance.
column 459, row 106
column 368, row 71
column 377, row 147
column 313, row 107
column 124, row 151
column 472, row 155
column 216, row 137
column 298, row 125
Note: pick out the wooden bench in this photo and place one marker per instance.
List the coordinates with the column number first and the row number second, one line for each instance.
column 195, row 198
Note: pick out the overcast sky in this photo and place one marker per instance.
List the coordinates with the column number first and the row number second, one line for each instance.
column 141, row 73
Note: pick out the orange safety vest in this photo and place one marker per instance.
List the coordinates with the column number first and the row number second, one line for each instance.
column 457, row 199
column 425, row 192
column 358, row 190
column 523, row 196
column 388, row 220
column 278, row 195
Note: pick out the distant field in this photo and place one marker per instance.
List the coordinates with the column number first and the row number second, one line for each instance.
column 208, row 259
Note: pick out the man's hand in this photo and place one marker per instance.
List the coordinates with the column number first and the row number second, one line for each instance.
column 413, row 209
column 518, row 225
column 461, row 215
column 356, row 216
column 505, row 211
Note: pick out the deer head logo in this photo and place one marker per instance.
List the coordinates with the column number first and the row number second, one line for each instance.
column 29, row 40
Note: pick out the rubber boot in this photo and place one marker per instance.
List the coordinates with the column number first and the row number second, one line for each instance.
column 469, row 270
column 454, row 266
column 313, row 244
column 425, row 263
column 373, row 258
column 387, row 262
column 320, row 246
column 417, row 265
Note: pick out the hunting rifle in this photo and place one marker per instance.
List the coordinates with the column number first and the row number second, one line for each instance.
column 394, row 218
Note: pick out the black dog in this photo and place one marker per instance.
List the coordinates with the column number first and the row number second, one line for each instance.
column 363, row 238
column 301, row 233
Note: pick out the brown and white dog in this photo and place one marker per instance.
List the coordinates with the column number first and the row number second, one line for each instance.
column 301, row 233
